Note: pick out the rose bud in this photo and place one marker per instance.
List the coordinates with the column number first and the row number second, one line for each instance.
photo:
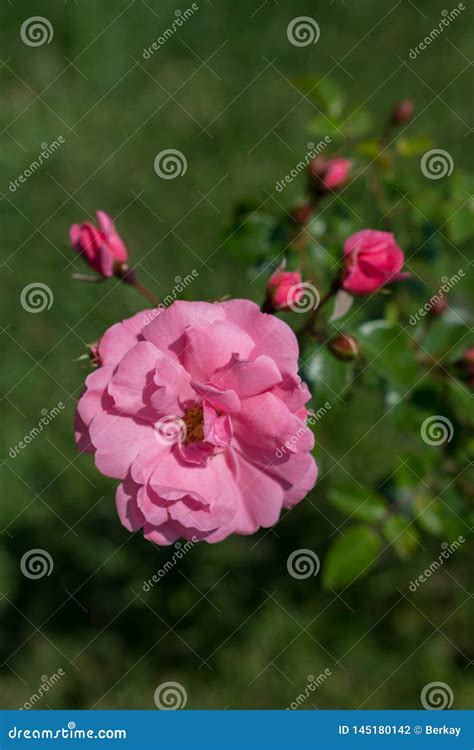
column 102, row 248
column 302, row 214
column 344, row 347
column 371, row 259
column 327, row 175
column 403, row 111
column 438, row 307
column 284, row 290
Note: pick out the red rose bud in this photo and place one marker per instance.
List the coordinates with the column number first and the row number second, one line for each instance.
column 403, row 111
column 284, row 290
column 344, row 347
column 101, row 247
column 439, row 307
column 301, row 215
column 328, row 175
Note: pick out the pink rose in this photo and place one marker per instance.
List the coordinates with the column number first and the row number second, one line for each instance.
column 200, row 413
column 371, row 259
column 284, row 289
column 328, row 174
column 103, row 248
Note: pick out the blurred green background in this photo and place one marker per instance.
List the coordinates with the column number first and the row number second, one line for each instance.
column 228, row 622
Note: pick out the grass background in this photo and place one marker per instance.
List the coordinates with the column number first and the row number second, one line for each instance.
column 228, row 622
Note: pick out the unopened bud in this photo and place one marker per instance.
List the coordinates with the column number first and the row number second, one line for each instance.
column 344, row 347
column 301, row 215
column 439, row 307
column 403, row 111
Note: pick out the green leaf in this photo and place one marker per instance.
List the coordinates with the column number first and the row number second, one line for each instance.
column 350, row 556
column 358, row 124
column 326, row 374
column 387, row 348
column 325, row 92
column 401, row 534
column 429, row 514
column 364, row 504
column 413, row 146
column 369, row 148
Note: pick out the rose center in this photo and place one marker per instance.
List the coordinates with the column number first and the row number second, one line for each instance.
column 194, row 421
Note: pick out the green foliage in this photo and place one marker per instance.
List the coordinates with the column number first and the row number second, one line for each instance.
column 351, row 556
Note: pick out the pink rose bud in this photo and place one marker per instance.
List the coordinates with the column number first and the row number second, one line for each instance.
column 327, row 175
column 102, row 247
column 284, row 290
column 371, row 259
column 403, row 111
column 344, row 347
